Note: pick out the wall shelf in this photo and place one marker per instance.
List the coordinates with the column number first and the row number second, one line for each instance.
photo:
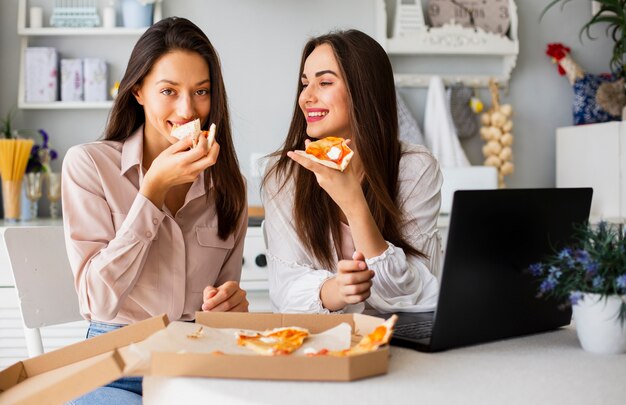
column 52, row 31
column 66, row 105
column 454, row 39
column 27, row 33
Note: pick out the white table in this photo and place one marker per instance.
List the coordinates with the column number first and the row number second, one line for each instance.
column 548, row 368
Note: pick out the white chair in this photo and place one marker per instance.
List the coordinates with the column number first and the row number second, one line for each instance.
column 43, row 280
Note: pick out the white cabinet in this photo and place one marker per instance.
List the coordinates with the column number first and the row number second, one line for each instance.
column 107, row 42
column 595, row 156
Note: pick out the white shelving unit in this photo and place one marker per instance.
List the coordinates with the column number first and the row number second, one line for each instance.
column 26, row 33
column 454, row 39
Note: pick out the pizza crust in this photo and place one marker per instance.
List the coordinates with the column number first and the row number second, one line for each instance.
column 192, row 128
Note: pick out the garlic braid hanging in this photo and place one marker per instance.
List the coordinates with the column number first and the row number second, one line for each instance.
column 496, row 132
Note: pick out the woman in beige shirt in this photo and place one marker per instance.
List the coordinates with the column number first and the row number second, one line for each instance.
column 338, row 240
column 152, row 225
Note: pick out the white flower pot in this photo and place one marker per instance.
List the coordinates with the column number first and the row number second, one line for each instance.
column 597, row 324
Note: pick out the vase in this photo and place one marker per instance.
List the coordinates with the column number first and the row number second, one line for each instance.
column 598, row 325
column 135, row 14
column 11, row 193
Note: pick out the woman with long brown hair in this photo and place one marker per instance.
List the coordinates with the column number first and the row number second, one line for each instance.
column 152, row 224
column 368, row 234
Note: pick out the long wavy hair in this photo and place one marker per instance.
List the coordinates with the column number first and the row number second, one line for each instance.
column 168, row 35
column 368, row 75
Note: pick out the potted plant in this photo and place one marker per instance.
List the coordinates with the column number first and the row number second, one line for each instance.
column 590, row 275
column 6, row 130
column 613, row 14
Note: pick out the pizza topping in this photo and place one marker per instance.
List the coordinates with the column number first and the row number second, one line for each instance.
column 196, row 335
column 334, row 153
column 330, row 151
column 273, row 342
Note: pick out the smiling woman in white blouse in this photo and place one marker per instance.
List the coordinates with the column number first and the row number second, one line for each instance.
column 367, row 236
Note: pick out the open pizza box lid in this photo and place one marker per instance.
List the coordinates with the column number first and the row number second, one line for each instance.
column 64, row 374
column 289, row 367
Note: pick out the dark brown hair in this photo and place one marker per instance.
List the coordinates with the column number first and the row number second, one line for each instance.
column 368, row 75
column 127, row 115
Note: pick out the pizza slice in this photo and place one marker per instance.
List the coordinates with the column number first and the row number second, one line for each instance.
column 275, row 342
column 330, row 151
column 379, row 337
column 193, row 129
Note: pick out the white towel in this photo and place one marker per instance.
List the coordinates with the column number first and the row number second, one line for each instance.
column 439, row 131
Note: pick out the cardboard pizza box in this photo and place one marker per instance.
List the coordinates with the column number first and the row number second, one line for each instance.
column 290, row 367
column 64, row 374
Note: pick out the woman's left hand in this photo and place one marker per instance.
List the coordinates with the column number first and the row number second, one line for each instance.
column 228, row 297
column 343, row 187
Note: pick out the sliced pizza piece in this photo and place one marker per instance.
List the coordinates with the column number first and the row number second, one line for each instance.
column 192, row 128
column 379, row 337
column 330, row 151
column 275, row 342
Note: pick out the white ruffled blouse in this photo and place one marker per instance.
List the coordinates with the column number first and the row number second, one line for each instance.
column 402, row 283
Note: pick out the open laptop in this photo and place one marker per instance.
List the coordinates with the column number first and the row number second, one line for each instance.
column 486, row 293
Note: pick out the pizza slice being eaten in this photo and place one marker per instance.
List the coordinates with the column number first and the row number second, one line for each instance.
column 274, row 342
column 193, row 129
column 331, row 151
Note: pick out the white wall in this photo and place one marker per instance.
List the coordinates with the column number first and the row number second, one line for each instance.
column 259, row 42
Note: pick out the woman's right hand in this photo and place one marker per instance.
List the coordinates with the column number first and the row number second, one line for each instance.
column 351, row 285
column 176, row 165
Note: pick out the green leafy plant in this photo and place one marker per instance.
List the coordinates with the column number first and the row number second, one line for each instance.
column 613, row 14
column 594, row 263
column 6, row 130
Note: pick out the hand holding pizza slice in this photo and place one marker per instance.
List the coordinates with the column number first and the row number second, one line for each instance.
column 331, row 151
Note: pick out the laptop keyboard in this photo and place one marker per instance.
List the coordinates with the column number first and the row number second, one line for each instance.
column 414, row 330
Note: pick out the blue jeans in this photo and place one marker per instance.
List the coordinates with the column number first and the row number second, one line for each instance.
column 125, row 391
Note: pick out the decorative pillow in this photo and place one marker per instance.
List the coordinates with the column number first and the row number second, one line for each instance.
column 585, row 108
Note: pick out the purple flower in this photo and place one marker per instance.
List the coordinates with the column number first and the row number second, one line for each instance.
column 45, row 137
column 582, row 256
column 620, row 282
column 575, row 296
column 555, row 272
column 565, row 254
column 597, row 281
column 548, row 284
column 41, row 155
column 536, row 269
column 591, row 268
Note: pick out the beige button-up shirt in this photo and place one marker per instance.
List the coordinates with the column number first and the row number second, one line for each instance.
column 132, row 260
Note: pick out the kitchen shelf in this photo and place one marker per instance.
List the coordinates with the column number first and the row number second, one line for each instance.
column 454, row 39
column 27, row 33
column 66, row 105
column 52, row 31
